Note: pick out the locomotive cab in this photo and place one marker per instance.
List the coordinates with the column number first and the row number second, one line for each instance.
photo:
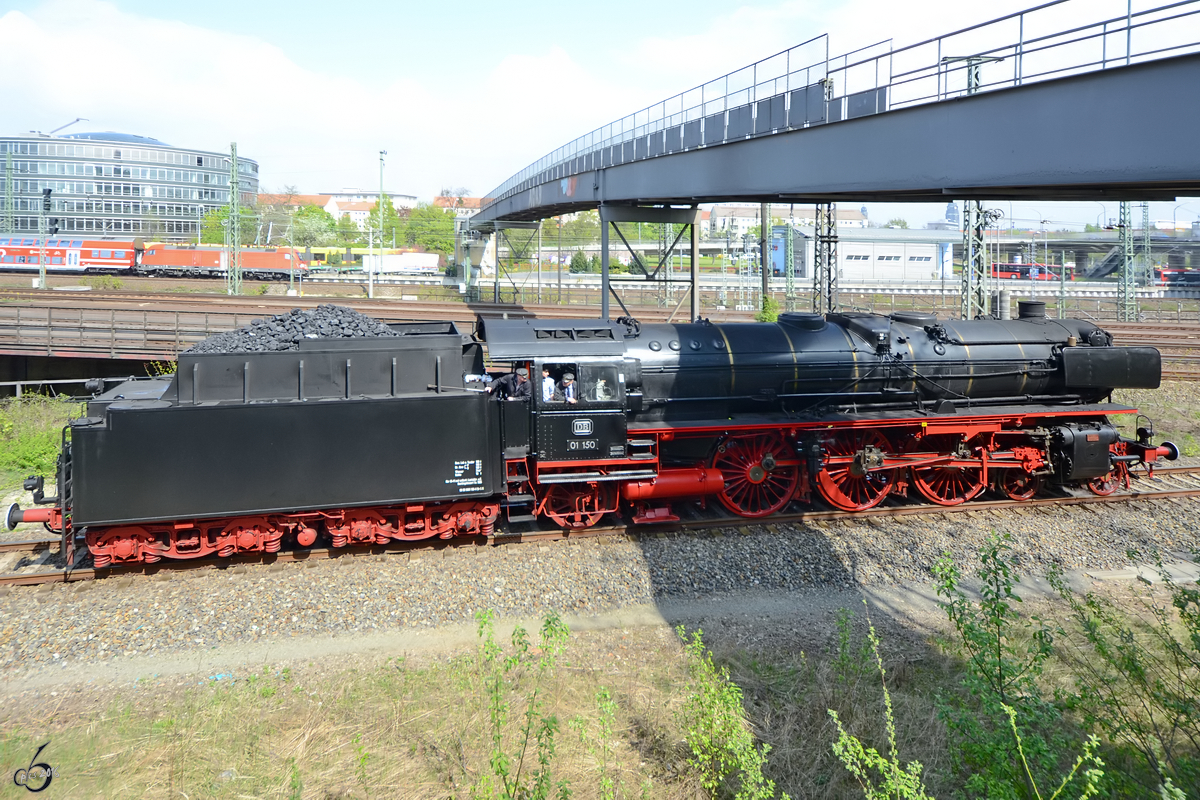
column 584, row 417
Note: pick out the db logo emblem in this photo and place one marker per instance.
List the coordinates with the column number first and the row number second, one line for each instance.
column 581, row 427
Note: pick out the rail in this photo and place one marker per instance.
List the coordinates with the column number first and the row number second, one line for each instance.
column 804, row 86
column 1171, row 484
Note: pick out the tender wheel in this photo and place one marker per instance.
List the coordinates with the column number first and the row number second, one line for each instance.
column 843, row 483
column 947, row 485
column 577, row 506
column 756, row 483
column 1017, row 484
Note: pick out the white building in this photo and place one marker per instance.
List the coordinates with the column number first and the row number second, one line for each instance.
column 361, row 196
column 463, row 207
column 357, row 210
column 898, row 262
column 735, row 220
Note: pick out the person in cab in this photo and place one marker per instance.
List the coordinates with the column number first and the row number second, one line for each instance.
column 568, row 390
column 514, row 385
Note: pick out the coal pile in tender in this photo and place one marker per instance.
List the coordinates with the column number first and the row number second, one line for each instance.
column 284, row 332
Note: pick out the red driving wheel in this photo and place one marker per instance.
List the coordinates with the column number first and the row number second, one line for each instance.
column 577, row 506
column 943, row 484
column 1017, row 484
column 843, row 483
column 756, row 484
column 1117, row 476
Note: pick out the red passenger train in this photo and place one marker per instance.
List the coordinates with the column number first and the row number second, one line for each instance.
column 74, row 255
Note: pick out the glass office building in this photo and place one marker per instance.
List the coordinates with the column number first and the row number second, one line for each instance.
column 115, row 184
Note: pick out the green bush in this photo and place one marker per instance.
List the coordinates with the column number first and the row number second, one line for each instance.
column 866, row 764
column 1136, row 672
column 723, row 751
column 524, row 672
column 770, row 310
column 1004, row 658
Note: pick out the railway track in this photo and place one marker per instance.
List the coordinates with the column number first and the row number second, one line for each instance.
column 105, row 322
column 1169, row 484
column 387, row 309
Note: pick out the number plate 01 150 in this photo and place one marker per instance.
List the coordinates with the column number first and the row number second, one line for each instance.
column 583, row 444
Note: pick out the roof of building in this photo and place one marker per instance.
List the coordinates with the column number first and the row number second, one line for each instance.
column 458, row 202
column 111, row 136
column 321, row 200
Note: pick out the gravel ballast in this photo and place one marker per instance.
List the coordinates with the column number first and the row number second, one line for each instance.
column 285, row 331
column 176, row 612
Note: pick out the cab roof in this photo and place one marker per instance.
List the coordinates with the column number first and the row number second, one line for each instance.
column 512, row 339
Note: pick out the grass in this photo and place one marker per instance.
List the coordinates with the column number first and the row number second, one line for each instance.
column 419, row 726
column 1172, row 408
column 31, row 436
column 402, row 728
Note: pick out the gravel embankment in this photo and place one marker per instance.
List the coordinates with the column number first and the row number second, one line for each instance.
column 285, row 331
column 196, row 611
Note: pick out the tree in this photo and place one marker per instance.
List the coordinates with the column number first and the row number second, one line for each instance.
column 896, row 222
column 455, row 191
column 274, row 219
column 346, row 232
column 579, row 262
column 212, row 227
column 313, row 226
column 583, row 230
column 393, row 223
column 430, row 228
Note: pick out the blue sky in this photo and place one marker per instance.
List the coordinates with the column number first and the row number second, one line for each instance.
column 459, row 93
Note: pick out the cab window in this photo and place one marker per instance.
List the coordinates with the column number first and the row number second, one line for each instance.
column 576, row 384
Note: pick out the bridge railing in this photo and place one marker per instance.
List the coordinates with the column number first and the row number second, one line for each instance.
column 804, row 86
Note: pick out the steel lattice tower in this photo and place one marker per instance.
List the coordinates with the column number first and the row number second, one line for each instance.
column 1127, row 301
column 6, row 218
column 789, row 268
column 825, row 267
column 1147, row 259
column 974, row 294
column 233, row 228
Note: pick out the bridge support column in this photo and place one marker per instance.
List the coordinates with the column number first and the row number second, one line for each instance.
column 1081, row 264
column 604, row 287
column 825, row 260
column 694, row 292
column 764, row 256
column 612, row 214
column 518, row 247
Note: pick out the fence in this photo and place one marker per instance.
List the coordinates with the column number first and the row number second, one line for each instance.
column 804, row 86
column 111, row 333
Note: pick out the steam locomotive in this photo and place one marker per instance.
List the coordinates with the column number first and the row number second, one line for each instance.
column 368, row 441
